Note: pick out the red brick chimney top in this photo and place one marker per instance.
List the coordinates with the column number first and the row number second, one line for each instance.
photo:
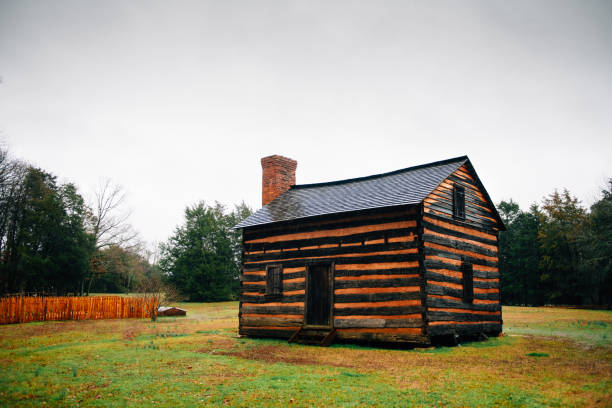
column 278, row 175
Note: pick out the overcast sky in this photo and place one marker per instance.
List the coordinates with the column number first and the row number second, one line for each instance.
column 178, row 101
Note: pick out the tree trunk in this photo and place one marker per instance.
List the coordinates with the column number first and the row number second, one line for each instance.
column 91, row 278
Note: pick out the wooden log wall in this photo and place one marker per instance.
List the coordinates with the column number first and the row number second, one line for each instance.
column 376, row 276
column 478, row 211
column 446, row 244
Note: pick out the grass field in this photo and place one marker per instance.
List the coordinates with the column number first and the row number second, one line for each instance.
column 548, row 357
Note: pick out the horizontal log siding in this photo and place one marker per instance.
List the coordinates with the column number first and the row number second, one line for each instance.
column 376, row 276
column 445, row 244
column 478, row 211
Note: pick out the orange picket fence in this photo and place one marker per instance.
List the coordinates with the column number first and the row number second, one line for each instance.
column 22, row 309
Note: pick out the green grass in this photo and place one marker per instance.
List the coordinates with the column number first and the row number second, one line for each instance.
column 586, row 326
column 536, row 354
column 199, row 360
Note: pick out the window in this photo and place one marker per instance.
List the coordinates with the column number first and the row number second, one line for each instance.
column 459, row 202
column 274, row 281
column 468, row 282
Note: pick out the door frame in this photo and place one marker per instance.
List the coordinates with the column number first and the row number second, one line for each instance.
column 330, row 276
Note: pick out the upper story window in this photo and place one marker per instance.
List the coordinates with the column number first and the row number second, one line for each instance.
column 458, row 202
column 274, row 281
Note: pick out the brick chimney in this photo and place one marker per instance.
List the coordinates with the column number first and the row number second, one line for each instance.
column 278, row 174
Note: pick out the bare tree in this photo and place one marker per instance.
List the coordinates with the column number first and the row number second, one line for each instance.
column 163, row 293
column 12, row 174
column 109, row 225
column 109, row 221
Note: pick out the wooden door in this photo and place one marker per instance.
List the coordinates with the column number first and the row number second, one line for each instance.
column 319, row 296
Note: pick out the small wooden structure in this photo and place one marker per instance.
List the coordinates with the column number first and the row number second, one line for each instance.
column 170, row 311
column 408, row 256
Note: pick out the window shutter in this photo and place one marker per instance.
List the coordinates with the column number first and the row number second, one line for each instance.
column 459, row 202
column 278, row 286
column 274, row 281
column 467, row 271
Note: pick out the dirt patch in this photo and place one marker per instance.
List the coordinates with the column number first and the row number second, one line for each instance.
column 218, row 346
column 37, row 329
column 129, row 334
column 56, row 327
column 284, row 354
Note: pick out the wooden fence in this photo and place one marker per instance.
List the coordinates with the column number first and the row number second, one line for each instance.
column 22, row 309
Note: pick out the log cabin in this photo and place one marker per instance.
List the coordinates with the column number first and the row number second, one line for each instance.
column 406, row 257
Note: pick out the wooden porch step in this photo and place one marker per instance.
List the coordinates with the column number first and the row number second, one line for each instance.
column 321, row 337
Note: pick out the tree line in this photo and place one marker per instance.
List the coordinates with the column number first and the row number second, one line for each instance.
column 53, row 242
column 557, row 252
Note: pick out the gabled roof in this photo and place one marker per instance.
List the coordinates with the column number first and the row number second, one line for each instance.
column 400, row 187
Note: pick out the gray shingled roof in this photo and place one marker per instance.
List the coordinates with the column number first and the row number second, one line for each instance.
column 400, row 187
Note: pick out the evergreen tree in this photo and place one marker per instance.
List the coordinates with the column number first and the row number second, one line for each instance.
column 202, row 258
column 47, row 248
column 596, row 268
column 562, row 222
column 519, row 255
column 557, row 253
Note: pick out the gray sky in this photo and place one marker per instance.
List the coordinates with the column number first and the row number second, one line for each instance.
column 178, row 101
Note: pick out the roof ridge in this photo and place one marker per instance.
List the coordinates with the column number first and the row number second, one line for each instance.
column 374, row 176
